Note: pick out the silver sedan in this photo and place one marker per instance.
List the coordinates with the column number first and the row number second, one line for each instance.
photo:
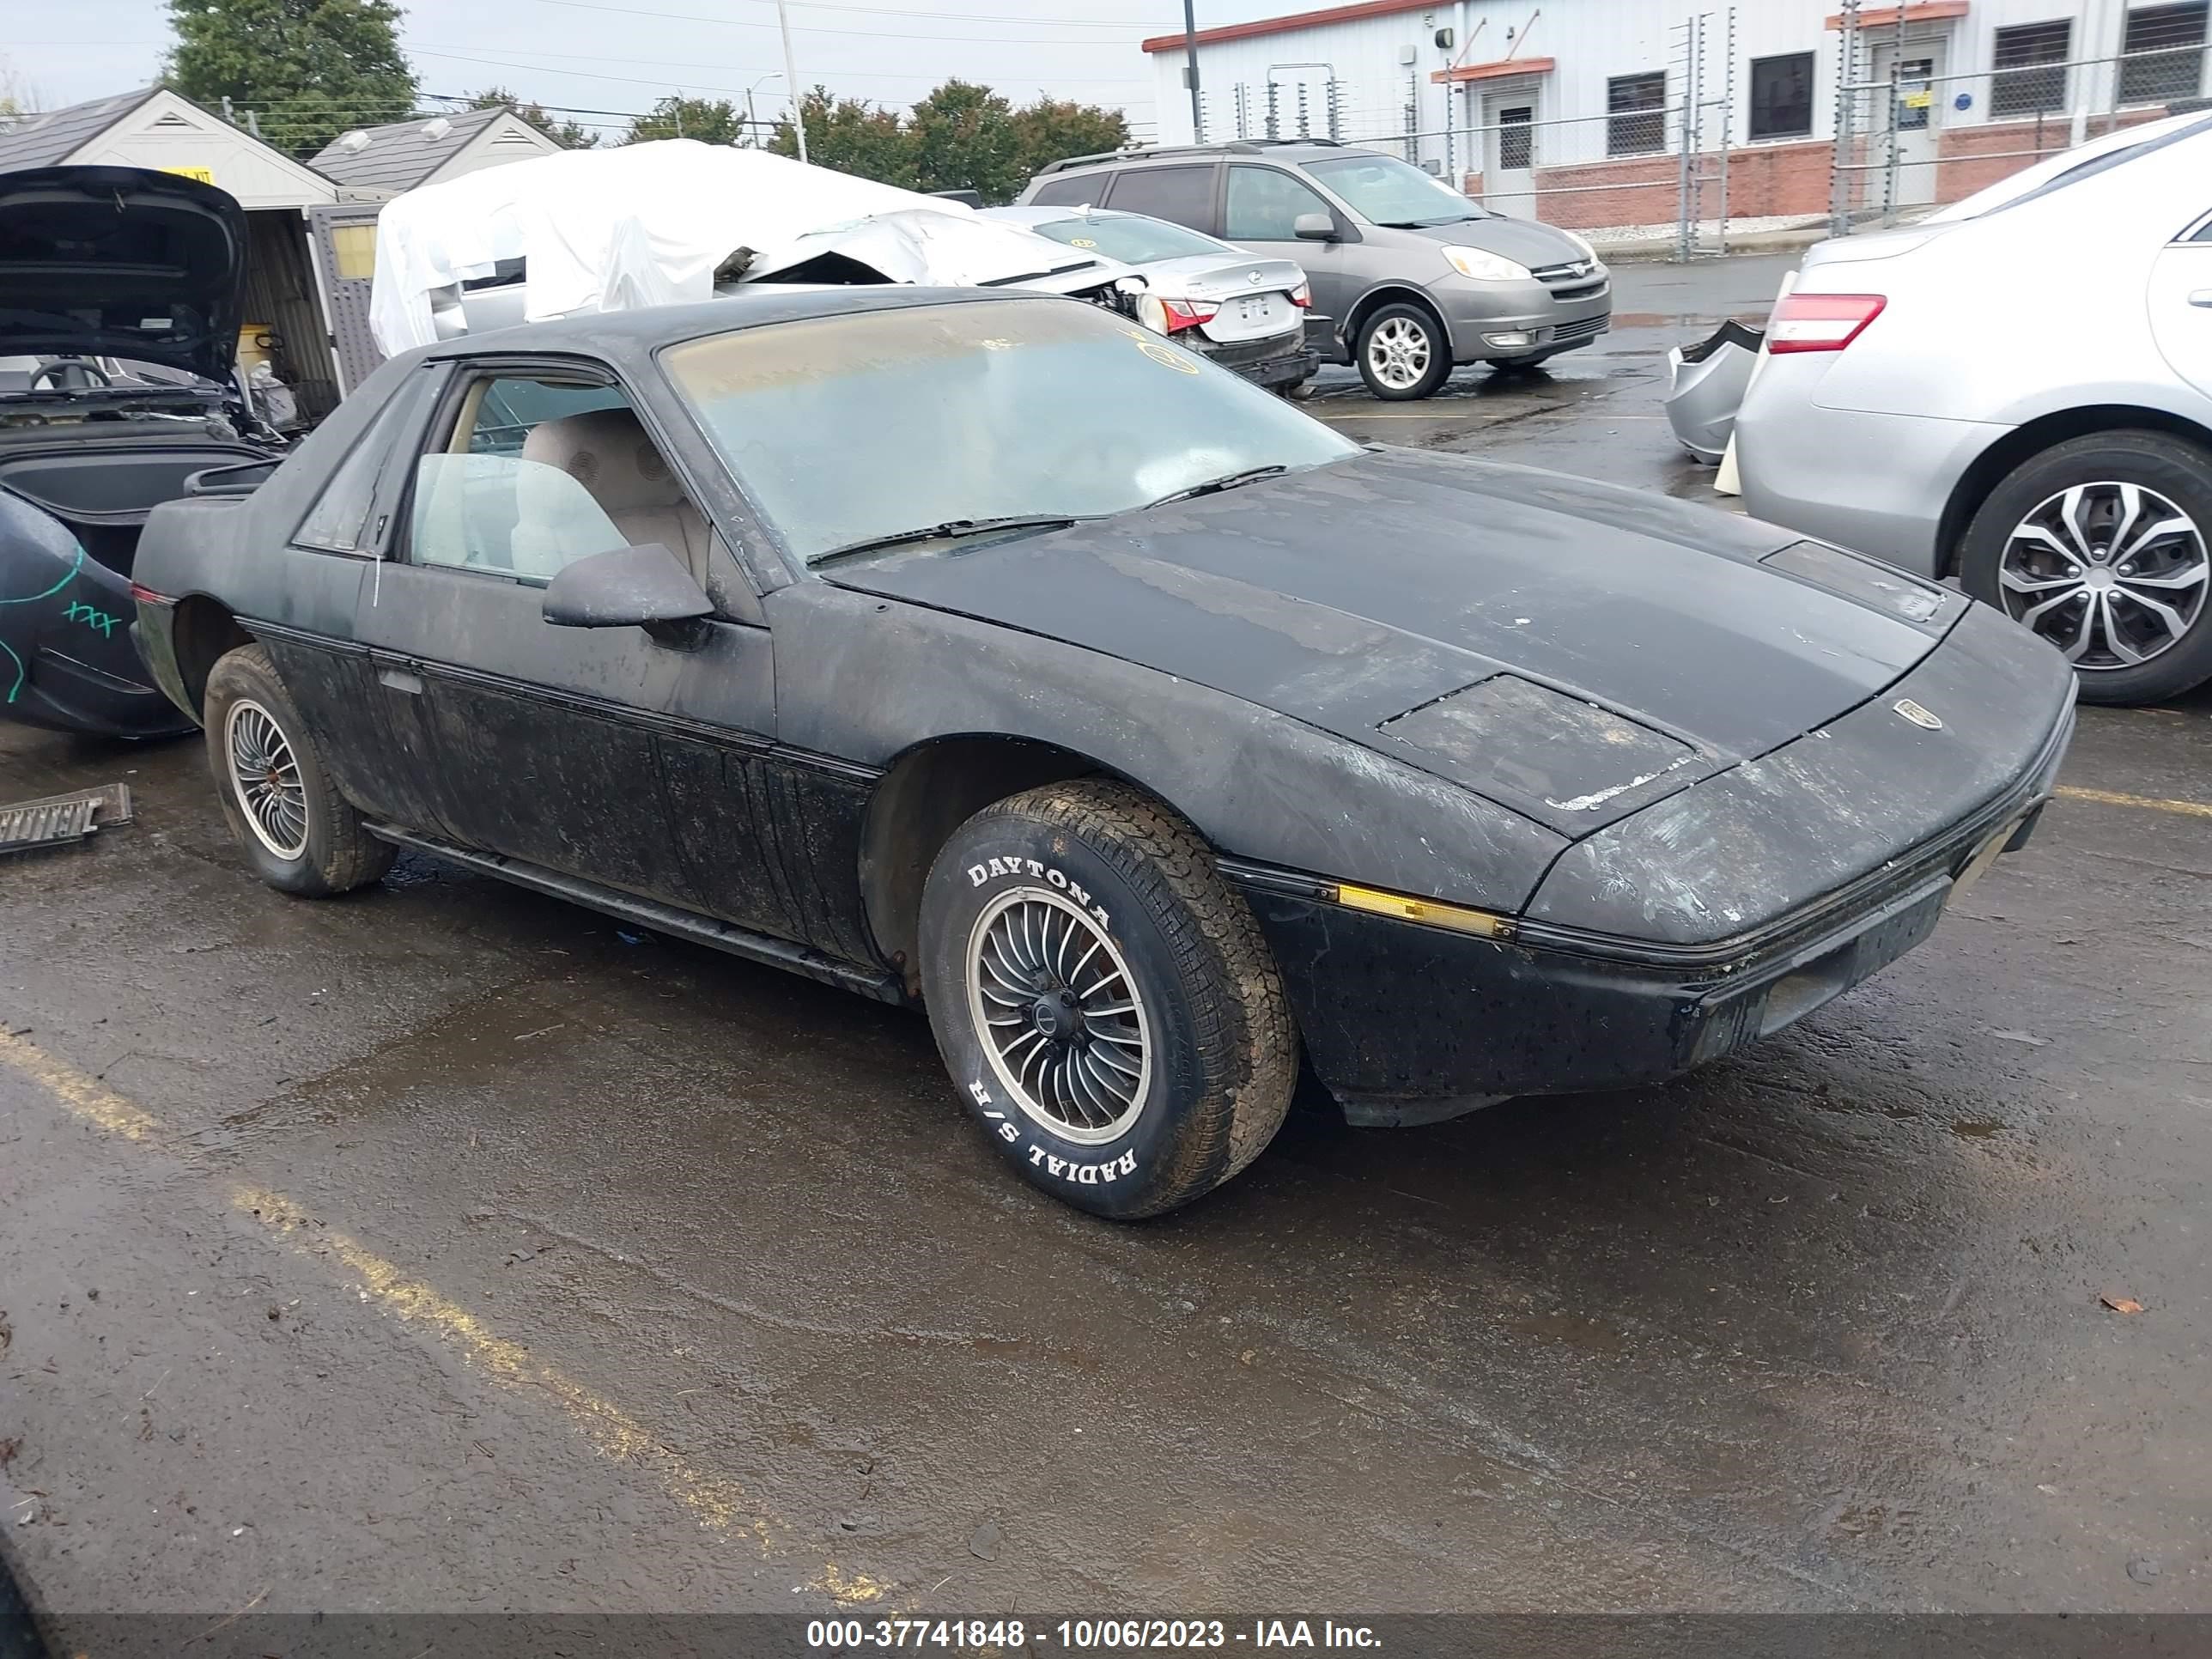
column 1247, row 312
column 2018, row 392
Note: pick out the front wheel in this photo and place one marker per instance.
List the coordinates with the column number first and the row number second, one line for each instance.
column 2100, row 545
column 1103, row 999
column 298, row 832
column 1403, row 353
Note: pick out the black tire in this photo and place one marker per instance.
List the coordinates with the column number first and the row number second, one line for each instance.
column 1108, row 864
column 1404, row 314
column 334, row 853
column 2180, row 472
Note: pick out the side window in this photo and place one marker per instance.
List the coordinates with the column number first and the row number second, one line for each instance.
column 338, row 522
column 1182, row 195
column 539, row 470
column 1082, row 189
column 1264, row 204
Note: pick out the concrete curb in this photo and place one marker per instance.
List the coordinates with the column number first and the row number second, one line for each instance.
column 1652, row 249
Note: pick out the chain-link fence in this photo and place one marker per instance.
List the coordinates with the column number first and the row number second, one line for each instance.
column 1912, row 135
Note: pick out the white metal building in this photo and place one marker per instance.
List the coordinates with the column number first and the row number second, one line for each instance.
column 1568, row 106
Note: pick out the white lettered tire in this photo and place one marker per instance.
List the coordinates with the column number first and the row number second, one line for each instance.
column 1103, row 999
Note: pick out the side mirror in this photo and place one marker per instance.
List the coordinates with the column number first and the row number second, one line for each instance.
column 640, row 587
column 1313, row 227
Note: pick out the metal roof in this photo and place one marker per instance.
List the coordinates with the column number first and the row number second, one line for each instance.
column 398, row 157
column 49, row 139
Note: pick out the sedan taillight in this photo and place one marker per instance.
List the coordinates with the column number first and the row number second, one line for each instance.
column 1302, row 296
column 1164, row 316
column 1821, row 322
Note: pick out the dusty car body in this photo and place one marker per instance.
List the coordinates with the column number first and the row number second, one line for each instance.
column 1149, row 739
column 99, row 265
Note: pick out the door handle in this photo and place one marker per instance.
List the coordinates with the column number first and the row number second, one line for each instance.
column 2201, row 297
column 398, row 679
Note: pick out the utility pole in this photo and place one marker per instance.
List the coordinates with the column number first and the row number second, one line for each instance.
column 791, row 80
column 1190, row 70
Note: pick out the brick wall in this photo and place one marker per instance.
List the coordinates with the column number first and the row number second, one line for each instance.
column 1969, row 159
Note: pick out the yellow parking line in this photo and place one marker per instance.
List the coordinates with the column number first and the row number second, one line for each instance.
column 718, row 1503
column 2195, row 809
column 85, row 1095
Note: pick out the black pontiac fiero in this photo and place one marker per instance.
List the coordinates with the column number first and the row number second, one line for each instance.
column 988, row 652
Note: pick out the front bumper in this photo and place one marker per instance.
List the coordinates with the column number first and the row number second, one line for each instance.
column 1409, row 1023
column 1874, row 483
column 1474, row 311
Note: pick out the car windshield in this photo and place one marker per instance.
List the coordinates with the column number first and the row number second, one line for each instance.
column 1134, row 240
column 858, row 427
column 1388, row 191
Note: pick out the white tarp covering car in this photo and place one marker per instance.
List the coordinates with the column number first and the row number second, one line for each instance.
column 663, row 223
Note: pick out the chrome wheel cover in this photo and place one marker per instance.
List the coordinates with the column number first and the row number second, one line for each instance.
column 1398, row 352
column 265, row 776
column 2113, row 575
column 1062, row 1022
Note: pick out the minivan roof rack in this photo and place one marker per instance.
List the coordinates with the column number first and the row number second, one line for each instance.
column 1233, row 147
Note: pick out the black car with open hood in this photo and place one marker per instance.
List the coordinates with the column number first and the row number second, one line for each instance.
column 992, row 652
column 121, row 297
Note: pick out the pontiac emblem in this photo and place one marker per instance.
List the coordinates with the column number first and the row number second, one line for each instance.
column 1919, row 716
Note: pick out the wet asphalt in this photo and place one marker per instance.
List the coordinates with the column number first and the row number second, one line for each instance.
column 444, row 1248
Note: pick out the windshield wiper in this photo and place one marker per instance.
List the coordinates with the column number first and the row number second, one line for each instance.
column 951, row 530
column 1215, row 486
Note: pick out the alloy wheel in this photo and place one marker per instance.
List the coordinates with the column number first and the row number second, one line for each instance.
column 1061, row 1019
column 1397, row 351
column 265, row 775
column 2111, row 574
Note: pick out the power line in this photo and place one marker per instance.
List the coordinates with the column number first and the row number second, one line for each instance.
column 592, row 75
column 800, row 29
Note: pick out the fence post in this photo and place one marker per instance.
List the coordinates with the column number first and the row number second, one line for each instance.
column 1889, row 154
column 1839, row 150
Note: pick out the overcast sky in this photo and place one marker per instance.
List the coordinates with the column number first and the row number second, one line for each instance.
column 620, row 55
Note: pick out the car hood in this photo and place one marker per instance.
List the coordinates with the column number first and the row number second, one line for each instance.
column 1522, row 241
column 1570, row 649
column 121, row 262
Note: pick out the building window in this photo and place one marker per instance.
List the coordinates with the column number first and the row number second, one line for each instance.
column 2170, row 40
column 1782, row 96
column 1636, row 105
column 2030, row 66
column 1516, row 150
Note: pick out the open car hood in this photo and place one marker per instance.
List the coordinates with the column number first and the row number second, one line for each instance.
column 121, row 262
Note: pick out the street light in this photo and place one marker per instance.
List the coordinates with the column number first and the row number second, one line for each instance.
column 791, row 79
column 753, row 127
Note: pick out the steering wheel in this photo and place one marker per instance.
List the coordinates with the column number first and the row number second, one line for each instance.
column 97, row 374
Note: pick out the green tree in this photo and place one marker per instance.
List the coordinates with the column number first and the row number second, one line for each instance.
column 964, row 139
column 710, row 120
column 853, row 136
column 309, row 70
column 566, row 133
column 1051, row 128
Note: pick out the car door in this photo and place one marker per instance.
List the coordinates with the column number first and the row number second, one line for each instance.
column 1260, row 209
column 2180, row 299
column 548, row 743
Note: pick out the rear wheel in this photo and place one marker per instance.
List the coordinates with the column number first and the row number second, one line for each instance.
column 1403, row 352
column 2103, row 546
column 297, row 832
column 1104, row 1000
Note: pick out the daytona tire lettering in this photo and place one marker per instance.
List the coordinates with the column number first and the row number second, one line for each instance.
column 992, row 868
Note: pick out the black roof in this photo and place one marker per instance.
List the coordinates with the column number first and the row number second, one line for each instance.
column 755, row 306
